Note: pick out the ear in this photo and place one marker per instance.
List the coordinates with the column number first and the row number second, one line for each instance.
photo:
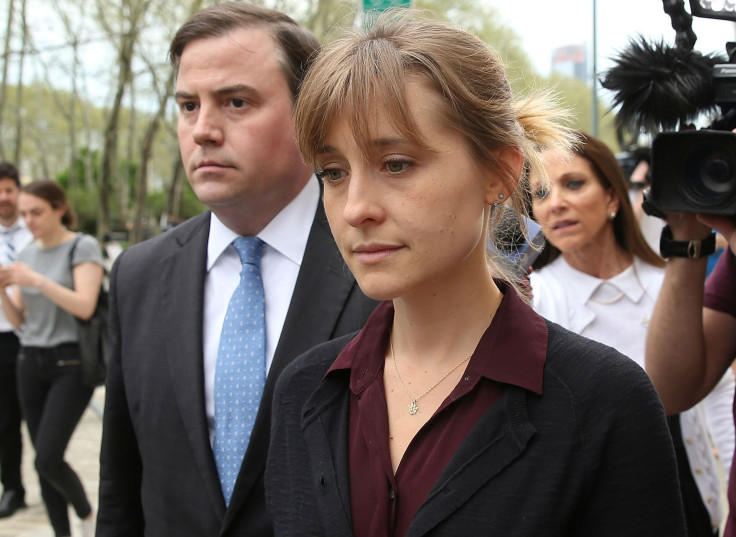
column 511, row 162
column 614, row 204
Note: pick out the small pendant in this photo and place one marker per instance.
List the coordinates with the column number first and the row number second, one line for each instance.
column 413, row 407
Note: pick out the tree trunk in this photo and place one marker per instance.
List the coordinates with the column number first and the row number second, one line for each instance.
column 6, row 61
column 73, row 179
column 123, row 185
column 17, row 154
column 109, row 154
column 173, row 203
column 146, row 152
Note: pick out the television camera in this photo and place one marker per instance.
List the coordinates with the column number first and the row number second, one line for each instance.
column 661, row 90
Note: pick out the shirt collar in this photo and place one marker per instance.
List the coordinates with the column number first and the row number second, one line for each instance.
column 585, row 285
column 513, row 350
column 286, row 233
column 15, row 226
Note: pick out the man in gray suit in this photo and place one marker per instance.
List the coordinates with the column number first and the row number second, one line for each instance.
column 239, row 68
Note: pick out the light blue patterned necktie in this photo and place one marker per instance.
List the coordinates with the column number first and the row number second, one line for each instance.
column 240, row 372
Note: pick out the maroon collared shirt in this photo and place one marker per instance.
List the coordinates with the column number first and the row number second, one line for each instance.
column 511, row 351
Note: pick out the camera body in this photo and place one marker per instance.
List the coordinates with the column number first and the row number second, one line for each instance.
column 724, row 84
column 694, row 171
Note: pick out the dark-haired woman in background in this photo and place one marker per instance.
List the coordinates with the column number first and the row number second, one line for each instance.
column 599, row 278
column 47, row 296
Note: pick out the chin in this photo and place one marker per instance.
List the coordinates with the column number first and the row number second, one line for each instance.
column 378, row 291
column 214, row 196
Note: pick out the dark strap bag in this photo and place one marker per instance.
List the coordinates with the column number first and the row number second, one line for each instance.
column 94, row 343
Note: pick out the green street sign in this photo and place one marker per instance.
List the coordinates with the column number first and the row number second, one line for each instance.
column 383, row 5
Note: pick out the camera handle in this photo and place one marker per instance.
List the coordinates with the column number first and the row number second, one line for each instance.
column 682, row 23
column 650, row 207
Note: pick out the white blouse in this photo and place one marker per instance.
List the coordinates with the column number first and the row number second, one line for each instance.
column 617, row 312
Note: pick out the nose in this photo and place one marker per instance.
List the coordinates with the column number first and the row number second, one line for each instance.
column 363, row 205
column 555, row 200
column 208, row 127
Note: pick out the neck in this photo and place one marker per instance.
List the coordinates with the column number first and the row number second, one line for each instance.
column 440, row 328
column 601, row 261
column 7, row 222
column 56, row 237
column 248, row 218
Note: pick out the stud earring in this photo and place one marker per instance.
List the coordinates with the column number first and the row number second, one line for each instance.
column 612, row 215
column 496, row 203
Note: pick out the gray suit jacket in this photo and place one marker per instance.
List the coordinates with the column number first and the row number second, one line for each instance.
column 158, row 476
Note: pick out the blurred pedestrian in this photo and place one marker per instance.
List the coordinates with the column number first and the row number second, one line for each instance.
column 14, row 236
column 55, row 279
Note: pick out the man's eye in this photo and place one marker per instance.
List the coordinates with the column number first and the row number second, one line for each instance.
column 188, row 106
column 239, row 103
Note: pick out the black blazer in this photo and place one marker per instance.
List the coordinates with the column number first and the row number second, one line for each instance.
column 158, row 476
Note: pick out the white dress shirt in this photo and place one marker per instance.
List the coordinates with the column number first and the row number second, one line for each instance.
column 19, row 235
column 285, row 239
column 617, row 312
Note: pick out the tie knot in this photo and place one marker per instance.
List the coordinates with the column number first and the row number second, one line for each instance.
column 249, row 249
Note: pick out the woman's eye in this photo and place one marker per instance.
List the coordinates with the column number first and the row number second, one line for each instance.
column 397, row 165
column 330, row 174
column 575, row 185
column 541, row 193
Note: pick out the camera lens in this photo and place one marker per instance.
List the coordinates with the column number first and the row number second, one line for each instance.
column 717, row 173
column 711, row 177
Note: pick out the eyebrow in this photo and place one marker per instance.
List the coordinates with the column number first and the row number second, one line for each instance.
column 221, row 92
column 574, row 175
column 377, row 144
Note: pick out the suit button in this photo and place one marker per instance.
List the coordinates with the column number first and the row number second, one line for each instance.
column 391, row 494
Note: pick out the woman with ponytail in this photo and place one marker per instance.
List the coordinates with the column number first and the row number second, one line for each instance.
column 55, row 279
column 456, row 410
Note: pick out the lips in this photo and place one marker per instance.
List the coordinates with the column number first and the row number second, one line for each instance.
column 370, row 254
column 210, row 164
column 563, row 224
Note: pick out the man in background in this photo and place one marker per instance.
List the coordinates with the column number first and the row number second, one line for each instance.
column 187, row 418
column 14, row 236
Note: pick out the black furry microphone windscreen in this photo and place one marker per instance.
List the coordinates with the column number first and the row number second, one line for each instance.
column 658, row 87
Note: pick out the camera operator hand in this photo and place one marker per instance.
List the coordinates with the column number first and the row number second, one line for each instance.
column 725, row 225
column 689, row 346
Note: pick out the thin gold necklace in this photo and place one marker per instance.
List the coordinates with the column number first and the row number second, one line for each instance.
column 413, row 408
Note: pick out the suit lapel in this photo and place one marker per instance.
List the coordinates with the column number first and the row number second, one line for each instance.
column 322, row 289
column 498, row 439
column 182, row 306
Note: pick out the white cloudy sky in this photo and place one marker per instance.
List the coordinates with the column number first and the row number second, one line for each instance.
column 547, row 24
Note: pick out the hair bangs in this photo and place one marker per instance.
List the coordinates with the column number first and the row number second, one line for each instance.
column 368, row 75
